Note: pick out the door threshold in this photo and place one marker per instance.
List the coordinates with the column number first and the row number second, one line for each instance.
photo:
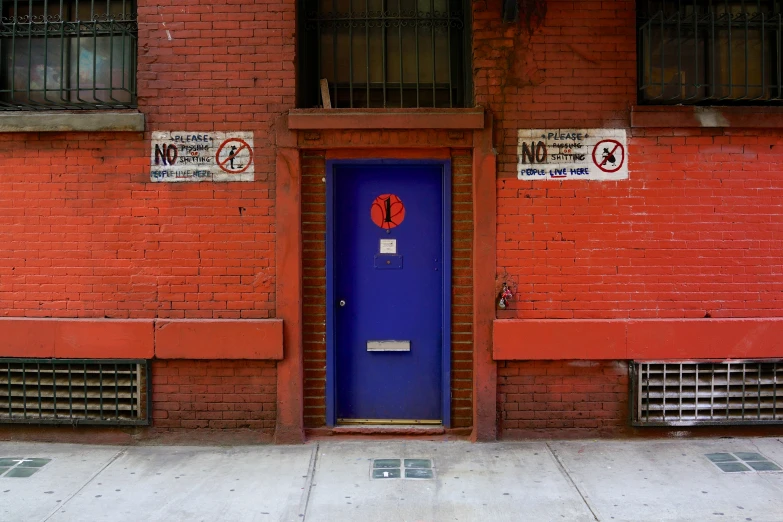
column 386, row 432
column 383, row 422
column 389, row 429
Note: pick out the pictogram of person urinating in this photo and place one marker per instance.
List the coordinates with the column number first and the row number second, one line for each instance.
column 233, row 153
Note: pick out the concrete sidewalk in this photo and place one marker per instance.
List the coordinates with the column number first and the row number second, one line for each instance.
column 332, row 481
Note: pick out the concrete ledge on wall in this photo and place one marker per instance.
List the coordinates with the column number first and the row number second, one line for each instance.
column 77, row 338
column 668, row 116
column 705, row 339
column 219, row 339
column 552, row 339
column 71, row 121
column 639, row 339
column 386, row 119
column 48, row 338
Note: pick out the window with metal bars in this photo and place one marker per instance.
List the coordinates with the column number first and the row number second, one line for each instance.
column 384, row 53
column 67, row 54
column 710, row 52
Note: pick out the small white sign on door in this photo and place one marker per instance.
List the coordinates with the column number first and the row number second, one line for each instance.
column 388, row 246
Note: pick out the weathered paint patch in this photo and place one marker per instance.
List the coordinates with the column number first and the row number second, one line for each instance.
column 598, row 154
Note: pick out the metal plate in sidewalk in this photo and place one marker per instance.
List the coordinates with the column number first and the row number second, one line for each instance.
column 742, row 461
column 388, row 473
column 402, row 468
column 21, row 467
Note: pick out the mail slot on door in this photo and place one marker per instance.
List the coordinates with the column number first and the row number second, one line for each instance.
column 388, row 346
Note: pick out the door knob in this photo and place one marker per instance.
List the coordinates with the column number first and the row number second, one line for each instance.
column 342, row 302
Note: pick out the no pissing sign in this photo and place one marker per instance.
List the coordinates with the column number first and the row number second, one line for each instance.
column 559, row 154
column 201, row 156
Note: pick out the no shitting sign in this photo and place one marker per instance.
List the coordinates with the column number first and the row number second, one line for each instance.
column 562, row 154
column 181, row 156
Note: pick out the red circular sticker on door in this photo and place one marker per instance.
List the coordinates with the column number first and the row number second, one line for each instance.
column 387, row 211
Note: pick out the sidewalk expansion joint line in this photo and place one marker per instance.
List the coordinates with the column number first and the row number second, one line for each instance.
column 305, row 502
column 89, row 481
column 769, row 480
column 571, row 480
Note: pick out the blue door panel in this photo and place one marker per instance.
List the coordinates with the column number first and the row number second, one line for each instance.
column 388, row 296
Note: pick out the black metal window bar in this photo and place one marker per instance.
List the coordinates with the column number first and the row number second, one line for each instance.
column 687, row 393
column 384, row 53
column 710, row 51
column 74, row 391
column 67, row 54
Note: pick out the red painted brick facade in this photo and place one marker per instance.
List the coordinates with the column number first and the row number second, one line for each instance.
column 695, row 232
column 86, row 235
column 218, row 395
column 563, row 399
column 84, row 232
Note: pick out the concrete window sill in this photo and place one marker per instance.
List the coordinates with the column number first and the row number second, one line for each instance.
column 357, row 119
column 677, row 116
column 71, row 121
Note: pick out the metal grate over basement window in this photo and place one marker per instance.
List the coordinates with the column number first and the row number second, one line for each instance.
column 710, row 52
column 384, row 53
column 74, row 391
column 69, row 54
column 708, row 393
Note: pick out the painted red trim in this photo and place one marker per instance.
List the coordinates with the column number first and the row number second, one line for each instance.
column 435, row 154
column 288, row 286
column 558, row 339
column 484, row 252
column 77, row 338
column 386, row 119
column 219, row 339
column 705, row 339
column 672, row 117
column 142, row 338
column 649, row 339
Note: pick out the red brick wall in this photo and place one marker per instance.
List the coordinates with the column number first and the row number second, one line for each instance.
column 562, row 399
column 83, row 232
column 695, row 231
column 314, row 286
column 462, row 289
column 314, row 275
column 214, row 394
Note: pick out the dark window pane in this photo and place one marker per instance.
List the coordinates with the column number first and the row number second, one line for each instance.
column 384, row 53
column 710, row 51
column 58, row 56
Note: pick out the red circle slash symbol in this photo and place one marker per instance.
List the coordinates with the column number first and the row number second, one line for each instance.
column 230, row 162
column 609, row 155
column 387, row 211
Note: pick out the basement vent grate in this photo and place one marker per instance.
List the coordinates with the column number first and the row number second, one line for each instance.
column 74, row 391
column 708, row 393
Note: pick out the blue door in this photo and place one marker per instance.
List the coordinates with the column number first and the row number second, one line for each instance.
column 388, row 275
